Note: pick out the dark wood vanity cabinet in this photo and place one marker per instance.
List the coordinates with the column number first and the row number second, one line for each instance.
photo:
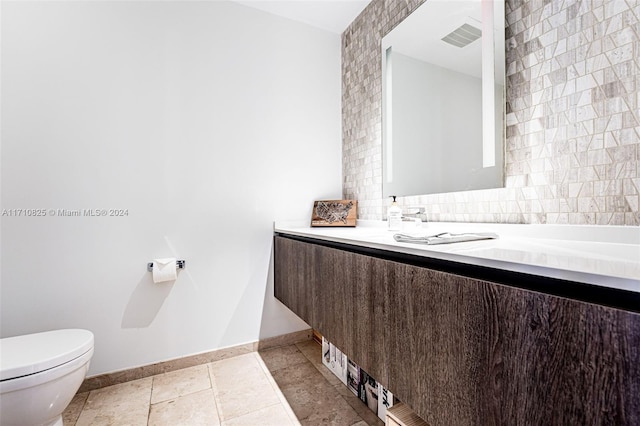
column 340, row 294
column 465, row 351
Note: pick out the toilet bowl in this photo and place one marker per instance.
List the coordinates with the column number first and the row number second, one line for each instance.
column 40, row 373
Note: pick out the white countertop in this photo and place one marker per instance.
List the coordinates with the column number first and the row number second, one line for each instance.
column 607, row 256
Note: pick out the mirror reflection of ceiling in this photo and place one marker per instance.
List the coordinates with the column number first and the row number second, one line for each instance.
column 420, row 35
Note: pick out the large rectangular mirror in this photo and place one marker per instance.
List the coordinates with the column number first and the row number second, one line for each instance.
column 443, row 71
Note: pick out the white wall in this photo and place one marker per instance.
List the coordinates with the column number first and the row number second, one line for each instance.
column 206, row 120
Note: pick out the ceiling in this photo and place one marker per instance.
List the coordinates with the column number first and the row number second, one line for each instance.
column 330, row 15
column 420, row 35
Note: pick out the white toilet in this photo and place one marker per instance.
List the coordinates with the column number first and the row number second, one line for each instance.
column 40, row 373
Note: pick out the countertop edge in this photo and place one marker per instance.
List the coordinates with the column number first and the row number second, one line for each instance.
column 607, row 288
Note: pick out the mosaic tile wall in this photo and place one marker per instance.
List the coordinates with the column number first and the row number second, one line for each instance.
column 573, row 116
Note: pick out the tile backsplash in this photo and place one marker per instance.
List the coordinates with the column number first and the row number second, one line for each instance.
column 573, row 116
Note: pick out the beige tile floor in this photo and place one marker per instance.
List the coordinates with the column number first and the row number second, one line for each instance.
column 280, row 386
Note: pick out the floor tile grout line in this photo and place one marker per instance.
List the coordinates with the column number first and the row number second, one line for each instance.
column 219, row 403
column 216, row 396
column 84, row 404
column 223, row 420
column 214, row 390
column 337, row 386
column 309, row 359
column 286, row 366
column 153, row 380
column 252, row 412
column 322, row 369
column 324, row 381
column 283, row 400
column 180, row 395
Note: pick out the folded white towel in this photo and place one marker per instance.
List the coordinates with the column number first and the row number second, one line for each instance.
column 445, row 238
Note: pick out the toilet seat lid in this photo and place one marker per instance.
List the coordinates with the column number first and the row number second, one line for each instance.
column 33, row 353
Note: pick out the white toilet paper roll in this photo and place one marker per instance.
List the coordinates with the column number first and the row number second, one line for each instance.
column 164, row 270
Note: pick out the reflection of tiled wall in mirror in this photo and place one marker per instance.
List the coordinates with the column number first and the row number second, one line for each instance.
column 573, row 117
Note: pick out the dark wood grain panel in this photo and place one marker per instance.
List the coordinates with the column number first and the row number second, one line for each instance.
column 431, row 369
column 350, row 293
column 343, row 295
column 511, row 355
column 368, row 315
column 294, row 272
column 464, row 351
column 332, row 287
column 595, row 351
column 479, row 353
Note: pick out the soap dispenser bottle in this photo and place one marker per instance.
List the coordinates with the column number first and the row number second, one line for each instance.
column 394, row 216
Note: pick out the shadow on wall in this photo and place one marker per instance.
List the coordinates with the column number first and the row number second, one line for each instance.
column 267, row 306
column 251, row 300
column 277, row 319
column 148, row 297
column 145, row 302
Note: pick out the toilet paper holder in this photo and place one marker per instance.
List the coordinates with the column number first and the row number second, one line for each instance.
column 180, row 264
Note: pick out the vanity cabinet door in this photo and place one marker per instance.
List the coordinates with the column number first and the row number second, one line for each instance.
column 341, row 294
column 366, row 283
column 471, row 352
column 295, row 275
column 434, row 338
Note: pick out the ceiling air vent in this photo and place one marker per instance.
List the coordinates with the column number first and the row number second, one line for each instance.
column 463, row 35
